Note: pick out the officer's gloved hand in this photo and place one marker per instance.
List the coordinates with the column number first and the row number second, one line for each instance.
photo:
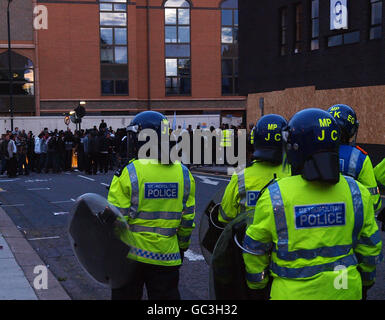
column 182, row 251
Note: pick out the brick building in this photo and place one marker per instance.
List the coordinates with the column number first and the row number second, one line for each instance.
column 122, row 57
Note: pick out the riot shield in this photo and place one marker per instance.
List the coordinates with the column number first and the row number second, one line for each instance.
column 210, row 228
column 95, row 230
column 227, row 269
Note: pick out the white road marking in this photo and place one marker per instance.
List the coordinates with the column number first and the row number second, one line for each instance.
column 44, row 238
column 105, row 184
column 193, row 256
column 207, row 180
column 73, row 200
column 86, row 177
column 12, row 205
column 60, row 213
column 37, row 180
column 35, row 189
column 10, row 180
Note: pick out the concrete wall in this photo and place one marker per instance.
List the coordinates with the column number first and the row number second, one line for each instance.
column 36, row 124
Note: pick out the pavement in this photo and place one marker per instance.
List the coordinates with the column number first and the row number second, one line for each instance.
column 23, row 275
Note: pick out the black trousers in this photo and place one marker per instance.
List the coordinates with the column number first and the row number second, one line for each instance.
column 161, row 283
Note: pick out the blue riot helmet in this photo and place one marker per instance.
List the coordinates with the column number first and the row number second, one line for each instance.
column 347, row 120
column 311, row 142
column 159, row 135
column 268, row 138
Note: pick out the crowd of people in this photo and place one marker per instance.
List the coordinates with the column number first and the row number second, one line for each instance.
column 94, row 150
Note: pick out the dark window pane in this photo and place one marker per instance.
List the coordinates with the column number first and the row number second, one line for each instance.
column 121, row 55
column 227, row 67
column 315, row 28
column 183, row 16
column 314, row 44
column 107, row 86
column 235, row 35
column 172, row 86
column 114, row 71
column 120, row 36
column 375, row 33
column 185, row 85
column 227, row 17
column 106, row 55
column 376, row 13
column 106, row 36
column 229, row 50
column 170, row 16
column 184, row 67
column 352, row 37
column 314, row 9
column 233, row 4
column 121, row 86
column 170, row 35
column 113, row 19
column 177, row 50
column 236, row 88
column 184, row 34
column 235, row 17
column 335, row 41
column 19, row 88
column 235, row 67
column 227, row 85
column 105, row 7
column 120, row 7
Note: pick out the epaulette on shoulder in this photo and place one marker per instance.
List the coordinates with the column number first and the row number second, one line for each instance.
column 362, row 150
column 118, row 172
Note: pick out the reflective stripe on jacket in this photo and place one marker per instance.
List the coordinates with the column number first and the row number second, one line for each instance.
column 158, row 202
column 306, row 234
column 356, row 164
column 243, row 189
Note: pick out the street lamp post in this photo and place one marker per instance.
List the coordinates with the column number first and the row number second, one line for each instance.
column 10, row 67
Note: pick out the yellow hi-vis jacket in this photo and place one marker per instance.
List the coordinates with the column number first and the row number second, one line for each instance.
column 355, row 162
column 226, row 138
column 158, row 202
column 243, row 189
column 317, row 240
column 379, row 172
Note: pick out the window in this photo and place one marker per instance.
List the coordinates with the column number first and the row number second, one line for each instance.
column 22, row 72
column 229, row 44
column 177, row 47
column 113, row 46
column 298, row 28
column 345, row 38
column 283, row 31
column 375, row 19
column 314, row 44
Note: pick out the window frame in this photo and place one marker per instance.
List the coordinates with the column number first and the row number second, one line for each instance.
column 167, row 44
column 233, row 46
column 114, row 46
